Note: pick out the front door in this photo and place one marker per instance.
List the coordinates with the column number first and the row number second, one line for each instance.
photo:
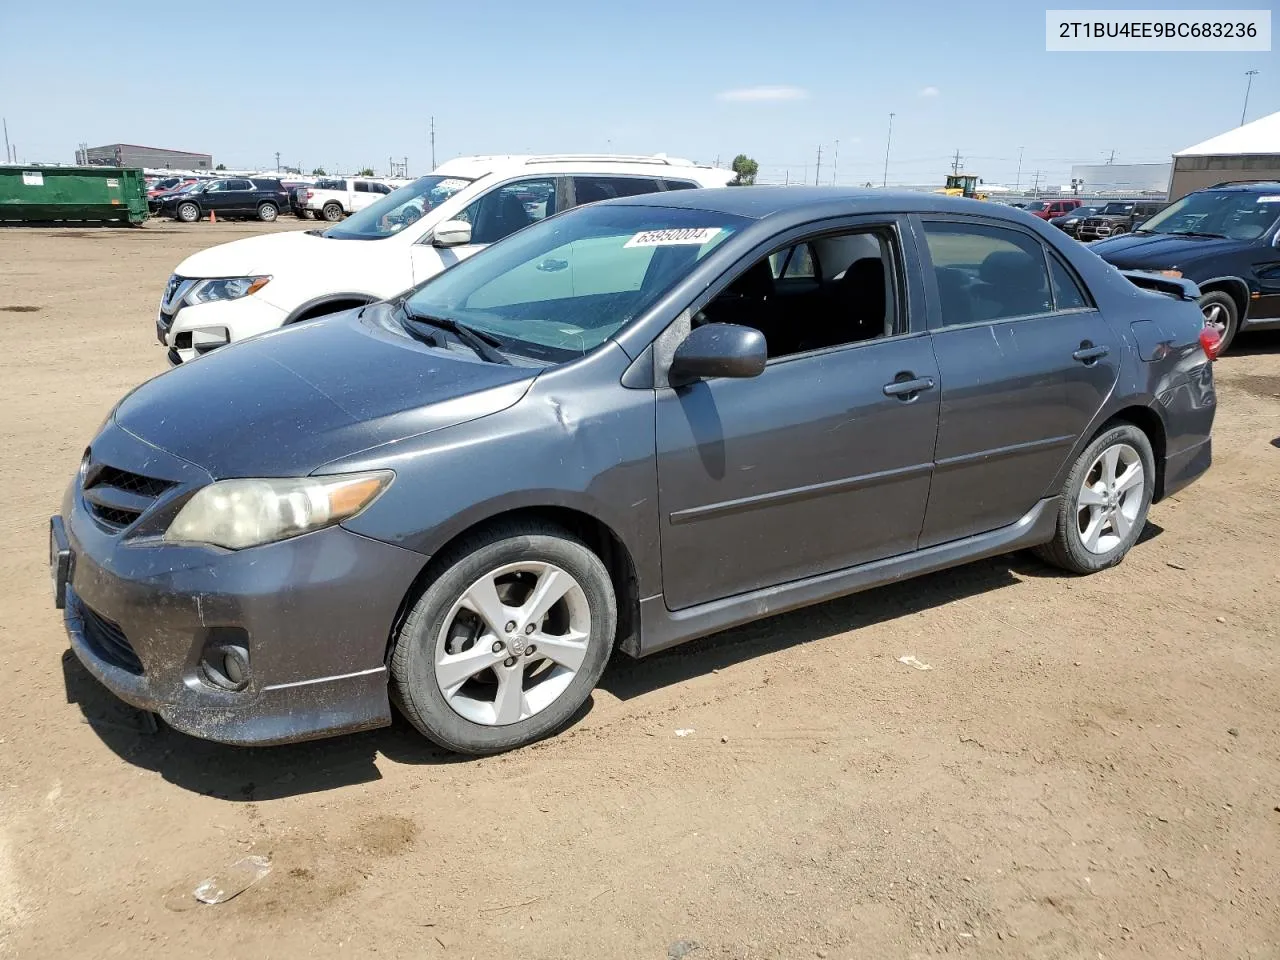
column 1025, row 362
column 821, row 462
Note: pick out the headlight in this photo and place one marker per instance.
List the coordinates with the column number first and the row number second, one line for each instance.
column 244, row 513
column 226, row 288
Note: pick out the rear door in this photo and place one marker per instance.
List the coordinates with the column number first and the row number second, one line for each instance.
column 1025, row 361
column 239, row 197
column 362, row 195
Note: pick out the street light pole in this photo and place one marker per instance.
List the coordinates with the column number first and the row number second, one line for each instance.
column 1017, row 183
column 1248, row 86
column 888, row 143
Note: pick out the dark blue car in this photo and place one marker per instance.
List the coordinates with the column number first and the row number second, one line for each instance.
column 1227, row 240
column 627, row 426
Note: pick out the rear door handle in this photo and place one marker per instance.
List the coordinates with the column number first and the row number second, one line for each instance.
column 1088, row 354
column 908, row 388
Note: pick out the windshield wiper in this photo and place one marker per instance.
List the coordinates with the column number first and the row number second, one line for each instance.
column 1197, row 233
column 482, row 343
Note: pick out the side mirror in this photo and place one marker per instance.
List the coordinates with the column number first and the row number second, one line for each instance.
column 451, row 233
column 718, row 350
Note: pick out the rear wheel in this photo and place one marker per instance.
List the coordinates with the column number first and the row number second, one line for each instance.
column 1221, row 314
column 1118, row 229
column 188, row 212
column 1104, row 502
column 507, row 643
column 332, row 212
column 267, row 212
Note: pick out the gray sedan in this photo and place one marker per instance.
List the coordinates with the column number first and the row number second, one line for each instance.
column 631, row 425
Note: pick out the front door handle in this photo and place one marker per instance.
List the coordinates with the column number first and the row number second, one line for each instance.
column 908, row 388
column 1088, row 354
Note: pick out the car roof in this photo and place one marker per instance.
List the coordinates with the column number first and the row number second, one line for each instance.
column 816, row 202
column 658, row 165
column 1248, row 186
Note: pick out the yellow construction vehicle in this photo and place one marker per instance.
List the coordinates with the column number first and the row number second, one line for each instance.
column 963, row 185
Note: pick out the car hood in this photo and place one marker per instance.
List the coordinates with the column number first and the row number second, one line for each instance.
column 1162, row 250
column 287, row 402
column 268, row 253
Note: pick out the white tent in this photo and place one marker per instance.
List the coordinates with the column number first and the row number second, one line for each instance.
column 1259, row 136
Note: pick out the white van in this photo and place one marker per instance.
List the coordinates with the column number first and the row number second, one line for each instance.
column 249, row 286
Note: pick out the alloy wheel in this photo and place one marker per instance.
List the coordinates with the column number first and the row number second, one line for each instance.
column 1215, row 317
column 512, row 643
column 1110, row 498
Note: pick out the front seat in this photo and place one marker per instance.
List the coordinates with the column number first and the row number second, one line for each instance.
column 508, row 216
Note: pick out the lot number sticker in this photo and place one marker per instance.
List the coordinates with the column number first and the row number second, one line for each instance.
column 692, row 236
column 1270, row 198
column 32, row 178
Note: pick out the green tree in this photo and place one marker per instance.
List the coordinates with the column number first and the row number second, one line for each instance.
column 746, row 170
column 366, row 172
column 318, row 172
column 221, row 166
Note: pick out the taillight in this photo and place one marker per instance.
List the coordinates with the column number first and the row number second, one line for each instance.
column 310, row 194
column 1210, row 342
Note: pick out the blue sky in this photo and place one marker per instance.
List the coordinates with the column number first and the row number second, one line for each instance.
column 348, row 84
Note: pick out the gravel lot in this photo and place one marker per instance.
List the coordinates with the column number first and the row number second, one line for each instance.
column 1091, row 768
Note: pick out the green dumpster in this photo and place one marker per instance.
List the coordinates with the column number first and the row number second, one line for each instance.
column 42, row 194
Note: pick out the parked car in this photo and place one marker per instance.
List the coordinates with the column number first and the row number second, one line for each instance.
column 1048, row 209
column 407, row 236
column 1069, row 222
column 166, row 184
column 1227, row 240
column 632, row 424
column 232, row 198
column 1117, row 217
column 156, row 203
column 335, row 198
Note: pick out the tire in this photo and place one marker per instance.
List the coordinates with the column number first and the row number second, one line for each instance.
column 1118, row 229
column 438, row 628
column 303, row 214
column 1221, row 312
column 1070, row 547
column 187, row 212
column 267, row 212
column 332, row 212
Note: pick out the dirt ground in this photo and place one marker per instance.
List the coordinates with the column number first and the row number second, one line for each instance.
column 1091, row 768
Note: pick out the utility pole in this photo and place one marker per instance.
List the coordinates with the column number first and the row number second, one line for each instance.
column 888, row 143
column 955, row 162
column 433, row 143
column 817, row 171
column 1035, row 189
column 7, row 159
column 1017, row 184
column 787, row 178
column 1111, row 159
column 1250, row 74
column 717, row 161
column 277, row 161
column 835, row 164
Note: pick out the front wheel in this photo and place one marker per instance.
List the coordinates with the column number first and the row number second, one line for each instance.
column 188, row 212
column 507, row 643
column 267, row 212
column 1118, row 229
column 332, row 212
column 1104, row 502
column 1220, row 313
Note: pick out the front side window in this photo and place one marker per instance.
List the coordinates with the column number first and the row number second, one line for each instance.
column 562, row 287
column 987, row 273
column 1236, row 214
column 501, row 212
column 850, row 294
column 392, row 213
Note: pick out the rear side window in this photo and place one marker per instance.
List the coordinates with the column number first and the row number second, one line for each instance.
column 987, row 273
column 680, row 185
column 362, row 187
column 593, row 189
column 238, row 185
column 331, row 185
column 1067, row 294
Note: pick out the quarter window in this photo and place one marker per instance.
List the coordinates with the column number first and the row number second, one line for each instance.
column 1067, row 294
column 987, row 273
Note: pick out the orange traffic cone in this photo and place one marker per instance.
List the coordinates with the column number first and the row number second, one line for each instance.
column 213, row 216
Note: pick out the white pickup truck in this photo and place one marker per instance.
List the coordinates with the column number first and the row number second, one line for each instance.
column 336, row 197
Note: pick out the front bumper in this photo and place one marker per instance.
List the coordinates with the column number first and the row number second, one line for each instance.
column 197, row 329
column 313, row 613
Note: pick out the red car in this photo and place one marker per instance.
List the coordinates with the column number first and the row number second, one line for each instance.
column 1048, row 209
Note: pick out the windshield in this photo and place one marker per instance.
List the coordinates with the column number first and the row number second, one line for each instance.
column 1117, row 208
column 1236, row 214
column 558, row 289
column 397, row 209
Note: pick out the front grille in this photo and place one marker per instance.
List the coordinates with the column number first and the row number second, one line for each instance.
column 118, row 497
column 109, row 641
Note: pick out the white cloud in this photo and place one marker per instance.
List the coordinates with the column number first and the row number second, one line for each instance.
column 763, row 94
column 930, row 92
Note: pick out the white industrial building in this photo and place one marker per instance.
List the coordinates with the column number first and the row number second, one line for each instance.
column 1120, row 178
column 1249, row 152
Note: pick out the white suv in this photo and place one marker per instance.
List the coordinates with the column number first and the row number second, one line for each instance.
column 336, row 197
column 245, row 287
